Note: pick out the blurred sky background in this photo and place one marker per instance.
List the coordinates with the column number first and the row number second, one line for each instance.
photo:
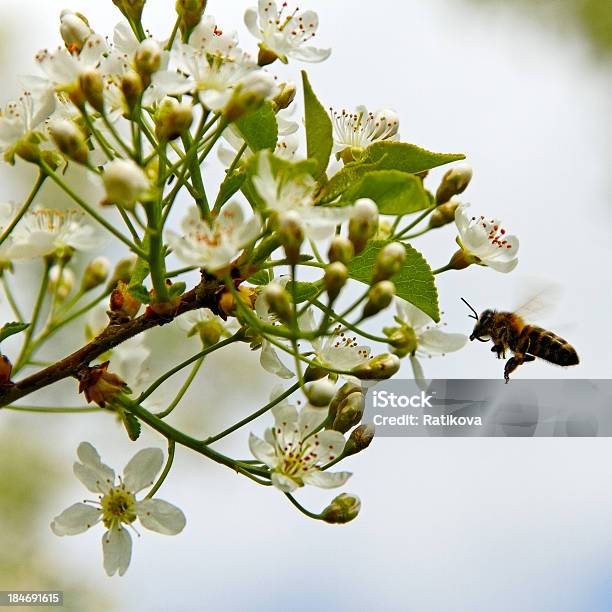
column 524, row 89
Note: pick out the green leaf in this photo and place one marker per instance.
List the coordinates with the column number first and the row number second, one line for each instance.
column 395, row 192
column 385, row 156
column 318, row 128
column 259, row 129
column 230, row 185
column 413, row 283
column 177, row 289
column 8, row 329
column 132, row 425
column 262, row 277
column 303, row 291
column 140, row 293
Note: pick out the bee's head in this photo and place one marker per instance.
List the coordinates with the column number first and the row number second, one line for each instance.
column 484, row 323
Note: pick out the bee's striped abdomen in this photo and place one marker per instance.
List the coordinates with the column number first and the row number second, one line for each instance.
column 546, row 345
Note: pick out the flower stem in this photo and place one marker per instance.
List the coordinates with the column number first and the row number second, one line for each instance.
column 26, row 348
column 253, row 416
column 179, row 396
column 162, row 476
column 301, row 508
column 420, row 218
column 22, row 211
column 237, row 336
column 11, row 298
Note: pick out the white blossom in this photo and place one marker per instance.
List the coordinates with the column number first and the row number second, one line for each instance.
column 43, row 231
column 214, row 246
column 117, row 507
column 23, row 116
column 285, row 34
column 428, row 339
column 486, row 241
column 294, row 453
column 360, row 129
column 296, row 192
column 338, row 351
column 63, row 69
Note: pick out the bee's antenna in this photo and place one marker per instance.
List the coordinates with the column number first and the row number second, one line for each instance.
column 475, row 315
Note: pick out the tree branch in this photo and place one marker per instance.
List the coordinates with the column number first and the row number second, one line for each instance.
column 203, row 295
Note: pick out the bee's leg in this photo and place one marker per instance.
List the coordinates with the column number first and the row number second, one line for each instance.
column 515, row 362
column 499, row 349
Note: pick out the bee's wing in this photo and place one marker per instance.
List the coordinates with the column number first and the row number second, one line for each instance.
column 539, row 299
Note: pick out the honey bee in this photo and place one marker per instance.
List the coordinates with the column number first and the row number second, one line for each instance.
column 509, row 332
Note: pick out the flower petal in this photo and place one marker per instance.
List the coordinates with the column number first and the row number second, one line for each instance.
column 284, row 483
column 263, row 451
column 436, row 341
column 161, row 516
column 95, row 475
column 326, row 480
column 142, row 469
column 75, row 519
column 270, row 361
column 117, row 550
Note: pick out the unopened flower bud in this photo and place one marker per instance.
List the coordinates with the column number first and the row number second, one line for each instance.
column 69, row 140
column 363, row 223
column 389, row 261
column 131, row 8
column 379, row 297
column 336, row 275
column 95, row 273
column 6, row 369
column 249, row 95
column 342, row 393
column 147, row 59
column 378, row 368
column 131, row 86
column 454, row 182
column 190, row 13
column 343, row 509
column 92, row 87
column 279, row 301
column 61, row 282
column 291, row 235
column 125, row 183
column 320, row 392
column 285, row 96
column 349, row 412
column 209, row 332
column 123, row 305
column 172, row 119
column 341, row 249
column 123, row 271
column 359, row 440
column 443, row 214
column 100, row 385
column 74, row 29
